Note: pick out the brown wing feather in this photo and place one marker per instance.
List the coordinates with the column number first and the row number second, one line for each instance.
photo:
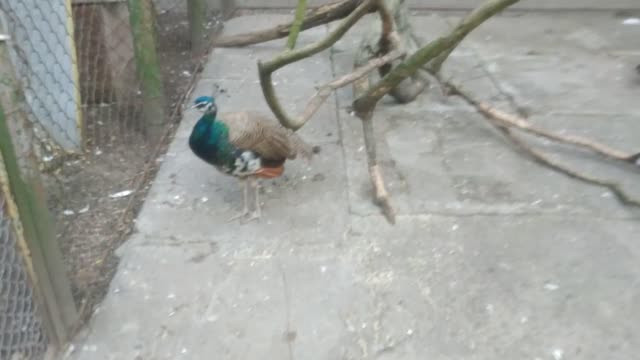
column 263, row 134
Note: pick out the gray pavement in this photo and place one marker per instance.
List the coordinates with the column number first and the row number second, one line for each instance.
column 493, row 256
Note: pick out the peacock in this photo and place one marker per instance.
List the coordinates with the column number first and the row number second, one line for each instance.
column 246, row 144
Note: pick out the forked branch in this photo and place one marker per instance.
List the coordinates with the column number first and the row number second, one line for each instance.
column 506, row 122
column 513, row 121
column 367, row 95
column 429, row 52
column 542, row 159
column 267, row 68
column 324, row 91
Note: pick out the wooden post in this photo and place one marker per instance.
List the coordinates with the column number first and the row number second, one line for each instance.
column 141, row 17
column 197, row 10
column 44, row 260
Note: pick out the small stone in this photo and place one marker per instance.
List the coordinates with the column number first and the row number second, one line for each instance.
column 558, row 354
column 631, row 21
column 121, row 194
column 551, row 287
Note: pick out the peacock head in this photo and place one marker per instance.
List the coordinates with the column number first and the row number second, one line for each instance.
column 206, row 104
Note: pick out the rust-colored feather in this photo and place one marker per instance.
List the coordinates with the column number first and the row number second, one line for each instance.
column 263, row 135
column 270, row 172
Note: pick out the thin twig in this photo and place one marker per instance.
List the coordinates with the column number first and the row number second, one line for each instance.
column 297, row 24
column 614, row 187
column 316, row 17
column 510, row 120
column 505, row 122
column 324, row 91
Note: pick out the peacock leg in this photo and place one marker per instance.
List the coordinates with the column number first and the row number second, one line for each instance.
column 257, row 212
column 245, row 209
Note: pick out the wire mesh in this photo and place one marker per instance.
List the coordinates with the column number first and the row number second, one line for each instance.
column 109, row 87
column 79, row 66
column 76, row 61
column 22, row 336
column 43, row 60
column 112, row 93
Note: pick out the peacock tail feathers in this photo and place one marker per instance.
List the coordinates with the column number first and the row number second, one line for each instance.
column 264, row 135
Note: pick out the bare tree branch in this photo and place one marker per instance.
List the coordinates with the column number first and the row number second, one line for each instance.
column 421, row 57
column 389, row 48
column 509, row 120
column 409, row 89
column 436, row 64
column 615, row 188
column 267, row 68
column 387, row 43
column 324, row 91
column 297, row 24
column 316, row 17
column 506, row 122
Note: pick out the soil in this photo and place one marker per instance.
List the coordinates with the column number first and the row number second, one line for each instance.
column 86, row 199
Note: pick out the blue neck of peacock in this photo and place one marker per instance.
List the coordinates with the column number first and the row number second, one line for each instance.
column 204, row 139
column 213, row 111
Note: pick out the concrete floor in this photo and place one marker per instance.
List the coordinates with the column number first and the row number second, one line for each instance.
column 493, row 256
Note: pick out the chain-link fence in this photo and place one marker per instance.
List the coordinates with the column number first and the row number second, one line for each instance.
column 101, row 84
column 22, row 335
column 88, row 67
column 44, row 62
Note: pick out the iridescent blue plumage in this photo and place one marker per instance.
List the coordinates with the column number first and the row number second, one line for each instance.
column 246, row 145
column 209, row 138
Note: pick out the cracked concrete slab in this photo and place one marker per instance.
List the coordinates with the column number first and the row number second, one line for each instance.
column 493, row 255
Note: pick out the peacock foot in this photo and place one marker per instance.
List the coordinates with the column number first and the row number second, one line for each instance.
column 246, row 216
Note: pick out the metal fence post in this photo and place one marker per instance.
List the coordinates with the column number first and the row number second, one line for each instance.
column 51, row 283
column 141, row 17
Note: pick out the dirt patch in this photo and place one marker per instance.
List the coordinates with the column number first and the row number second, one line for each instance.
column 95, row 198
